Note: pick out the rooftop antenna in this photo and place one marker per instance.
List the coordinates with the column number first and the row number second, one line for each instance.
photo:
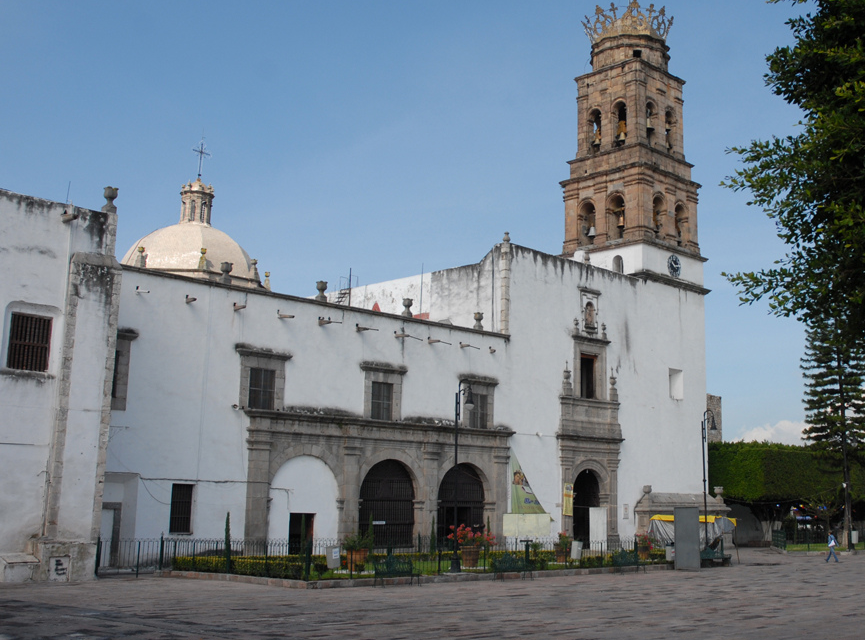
column 202, row 152
column 68, row 189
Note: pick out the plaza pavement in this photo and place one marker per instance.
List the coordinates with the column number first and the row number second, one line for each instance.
column 765, row 595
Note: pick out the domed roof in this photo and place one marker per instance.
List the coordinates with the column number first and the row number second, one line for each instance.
column 193, row 247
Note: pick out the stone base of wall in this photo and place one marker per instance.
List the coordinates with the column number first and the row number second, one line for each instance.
column 62, row 561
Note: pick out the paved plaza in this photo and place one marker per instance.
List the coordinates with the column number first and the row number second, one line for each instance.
column 766, row 595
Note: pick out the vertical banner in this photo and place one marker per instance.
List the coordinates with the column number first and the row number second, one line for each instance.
column 523, row 499
column 568, row 500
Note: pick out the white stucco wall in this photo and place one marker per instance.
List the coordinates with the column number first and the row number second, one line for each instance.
column 36, row 254
column 180, row 426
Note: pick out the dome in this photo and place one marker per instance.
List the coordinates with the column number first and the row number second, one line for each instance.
column 193, row 247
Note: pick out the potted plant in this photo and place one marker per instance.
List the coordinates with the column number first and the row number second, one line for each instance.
column 563, row 547
column 357, row 548
column 470, row 543
column 644, row 545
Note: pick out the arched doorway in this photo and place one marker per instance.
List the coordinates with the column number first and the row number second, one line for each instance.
column 387, row 494
column 466, row 483
column 587, row 494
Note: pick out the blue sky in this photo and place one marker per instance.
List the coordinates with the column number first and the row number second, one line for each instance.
column 388, row 137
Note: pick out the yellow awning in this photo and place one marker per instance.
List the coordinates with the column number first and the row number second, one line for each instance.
column 667, row 518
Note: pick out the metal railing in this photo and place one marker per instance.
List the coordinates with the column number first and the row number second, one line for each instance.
column 779, row 539
column 285, row 559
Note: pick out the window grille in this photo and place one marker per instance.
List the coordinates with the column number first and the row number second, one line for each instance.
column 262, row 387
column 180, row 520
column 29, row 339
column 382, row 401
column 478, row 415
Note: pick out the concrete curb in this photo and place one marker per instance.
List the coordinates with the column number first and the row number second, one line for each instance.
column 368, row 582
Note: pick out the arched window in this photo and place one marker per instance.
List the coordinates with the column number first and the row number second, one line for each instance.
column 587, row 223
column 621, row 113
column 650, row 122
column 594, row 130
column 387, row 494
column 658, row 210
column 669, row 127
column 464, row 482
column 618, row 264
column 616, row 218
column 587, row 494
column 681, row 224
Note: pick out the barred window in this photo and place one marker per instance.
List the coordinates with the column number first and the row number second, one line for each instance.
column 29, row 339
column 262, row 387
column 478, row 415
column 382, row 401
column 180, row 520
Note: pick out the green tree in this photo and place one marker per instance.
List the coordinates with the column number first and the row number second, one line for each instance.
column 834, row 370
column 813, row 184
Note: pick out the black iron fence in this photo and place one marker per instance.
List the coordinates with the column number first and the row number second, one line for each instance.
column 280, row 559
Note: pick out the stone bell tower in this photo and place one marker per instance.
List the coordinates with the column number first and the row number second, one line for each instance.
column 630, row 204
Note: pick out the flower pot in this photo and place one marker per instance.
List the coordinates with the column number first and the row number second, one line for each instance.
column 561, row 554
column 358, row 556
column 643, row 552
column 470, row 556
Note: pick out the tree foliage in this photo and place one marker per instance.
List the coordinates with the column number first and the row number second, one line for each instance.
column 767, row 472
column 834, row 369
column 813, row 184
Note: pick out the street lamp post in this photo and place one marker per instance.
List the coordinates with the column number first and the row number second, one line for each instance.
column 455, row 559
column 708, row 418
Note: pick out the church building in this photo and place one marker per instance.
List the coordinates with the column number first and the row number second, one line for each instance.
column 529, row 392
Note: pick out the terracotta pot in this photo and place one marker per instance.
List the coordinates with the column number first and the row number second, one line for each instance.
column 561, row 554
column 470, row 556
column 358, row 556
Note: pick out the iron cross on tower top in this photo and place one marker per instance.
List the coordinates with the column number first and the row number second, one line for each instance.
column 202, row 152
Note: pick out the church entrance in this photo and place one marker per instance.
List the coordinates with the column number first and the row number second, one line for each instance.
column 465, row 482
column 387, row 494
column 587, row 495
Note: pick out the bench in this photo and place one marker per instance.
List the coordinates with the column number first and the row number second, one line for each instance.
column 509, row 563
column 715, row 553
column 623, row 559
column 394, row 567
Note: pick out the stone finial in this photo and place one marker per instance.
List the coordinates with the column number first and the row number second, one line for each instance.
column 567, row 386
column 142, row 257
column 407, row 303
column 647, row 489
column 507, row 238
column 267, row 280
column 255, row 275
column 321, row 285
column 110, row 194
column 202, row 261
column 576, row 326
column 614, row 393
column 479, row 316
column 603, row 331
column 586, row 258
column 226, row 268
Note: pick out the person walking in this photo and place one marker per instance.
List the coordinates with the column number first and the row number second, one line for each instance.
column 832, row 543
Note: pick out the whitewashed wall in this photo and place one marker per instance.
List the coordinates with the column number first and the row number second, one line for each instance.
column 179, row 424
column 36, row 254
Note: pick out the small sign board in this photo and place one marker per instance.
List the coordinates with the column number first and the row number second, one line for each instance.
column 379, row 522
column 333, row 559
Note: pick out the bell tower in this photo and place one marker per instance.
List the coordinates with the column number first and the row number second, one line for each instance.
column 630, row 204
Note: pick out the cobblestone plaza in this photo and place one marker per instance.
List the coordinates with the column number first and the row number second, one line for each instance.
column 764, row 595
